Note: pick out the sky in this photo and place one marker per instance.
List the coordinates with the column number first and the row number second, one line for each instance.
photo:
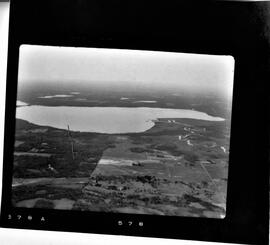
column 130, row 68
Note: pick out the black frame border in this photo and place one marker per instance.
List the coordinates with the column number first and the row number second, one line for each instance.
column 240, row 29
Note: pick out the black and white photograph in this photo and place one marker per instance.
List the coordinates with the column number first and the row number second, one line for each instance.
column 122, row 131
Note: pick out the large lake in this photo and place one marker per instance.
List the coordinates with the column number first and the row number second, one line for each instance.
column 103, row 119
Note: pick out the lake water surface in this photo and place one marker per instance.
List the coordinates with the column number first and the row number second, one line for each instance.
column 103, row 119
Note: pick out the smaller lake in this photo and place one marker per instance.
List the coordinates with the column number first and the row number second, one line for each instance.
column 56, row 96
column 145, row 101
column 104, row 119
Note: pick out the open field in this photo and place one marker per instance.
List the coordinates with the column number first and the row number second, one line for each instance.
column 178, row 167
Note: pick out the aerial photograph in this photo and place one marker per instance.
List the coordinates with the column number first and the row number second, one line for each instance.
column 122, row 131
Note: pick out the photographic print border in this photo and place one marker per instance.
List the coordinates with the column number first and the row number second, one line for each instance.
column 238, row 29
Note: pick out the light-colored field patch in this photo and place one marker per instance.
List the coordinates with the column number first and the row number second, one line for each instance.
column 119, row 162
column 196, row 205
column 81, row 99
column 64, row 204
column 18, row 143
column 38, row 130
column 20, row 181
column 138, row 210
column 32, row 154
column 27, row 203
